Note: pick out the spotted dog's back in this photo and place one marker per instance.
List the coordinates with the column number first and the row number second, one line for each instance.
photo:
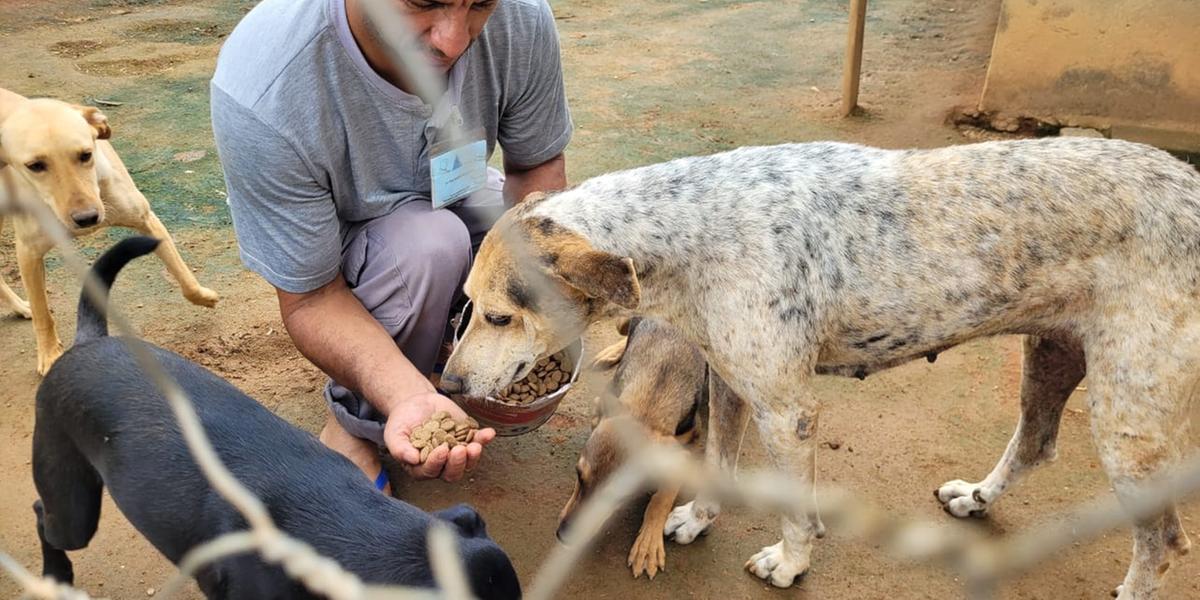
column 781, row 262
column 799, row 239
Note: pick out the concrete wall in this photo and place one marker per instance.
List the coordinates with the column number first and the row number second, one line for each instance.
column 1128, row 66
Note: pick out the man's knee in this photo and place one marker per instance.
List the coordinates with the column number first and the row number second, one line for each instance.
column 440, row 247
column 407, row 263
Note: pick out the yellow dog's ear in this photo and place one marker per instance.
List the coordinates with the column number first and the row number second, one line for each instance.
column 97, row 120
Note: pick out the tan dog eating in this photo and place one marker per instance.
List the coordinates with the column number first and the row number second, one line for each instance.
column 55, row 153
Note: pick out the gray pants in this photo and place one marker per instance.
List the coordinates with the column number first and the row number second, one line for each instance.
column 407, row 268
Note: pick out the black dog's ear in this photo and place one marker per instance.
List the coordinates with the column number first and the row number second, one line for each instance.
column 465, row 519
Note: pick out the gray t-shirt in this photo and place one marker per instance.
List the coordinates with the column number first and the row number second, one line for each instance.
column 313, row 140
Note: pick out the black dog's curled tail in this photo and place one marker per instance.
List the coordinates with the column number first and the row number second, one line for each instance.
column 92, row 321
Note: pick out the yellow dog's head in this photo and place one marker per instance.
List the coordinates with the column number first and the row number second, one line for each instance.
column 52, row 146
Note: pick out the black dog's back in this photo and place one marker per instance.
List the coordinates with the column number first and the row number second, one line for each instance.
column 100, row 422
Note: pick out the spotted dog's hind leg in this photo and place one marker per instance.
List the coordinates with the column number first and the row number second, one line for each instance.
column 726, row 428
column 1141, row 378
column 1053, row 367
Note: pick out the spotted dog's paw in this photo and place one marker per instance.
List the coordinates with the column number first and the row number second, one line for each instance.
column 781, row 568
column 963, row 499
column 684, row 525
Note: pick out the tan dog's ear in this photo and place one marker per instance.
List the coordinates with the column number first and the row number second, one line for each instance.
column 610, row 356
column 97, row 120
column 533, row 197
column 626, row 326
column 623, row 326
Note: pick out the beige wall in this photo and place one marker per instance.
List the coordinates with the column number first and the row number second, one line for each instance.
column 1129, row 65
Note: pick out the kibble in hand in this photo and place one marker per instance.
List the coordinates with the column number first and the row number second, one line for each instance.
column 442, row 430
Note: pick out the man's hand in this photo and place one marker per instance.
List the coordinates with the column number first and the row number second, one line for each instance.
column 409, row 414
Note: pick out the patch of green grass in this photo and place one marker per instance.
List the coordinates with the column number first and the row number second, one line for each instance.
column 196, row 33
column 120, row 3
column 160, row 119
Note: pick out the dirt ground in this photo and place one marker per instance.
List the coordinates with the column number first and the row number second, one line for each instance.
column 647, row 81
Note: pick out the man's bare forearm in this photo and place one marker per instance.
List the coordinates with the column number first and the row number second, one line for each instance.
column 331, row 328
column 546, row 177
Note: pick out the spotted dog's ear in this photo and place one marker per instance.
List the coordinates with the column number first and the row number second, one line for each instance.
column 568, row 256
column 97, row 120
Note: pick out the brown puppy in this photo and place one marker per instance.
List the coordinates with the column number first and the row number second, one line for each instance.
column 54, row 153
column 660, row 381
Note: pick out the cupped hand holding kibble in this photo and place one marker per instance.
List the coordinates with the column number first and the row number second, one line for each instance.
column 412, row 423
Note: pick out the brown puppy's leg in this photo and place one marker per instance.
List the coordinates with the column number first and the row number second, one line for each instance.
column 166, row 251
column 33, row 275
column 648, row 554
column 1052, row 370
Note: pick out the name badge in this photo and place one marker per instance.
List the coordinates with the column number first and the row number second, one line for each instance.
column 457, row 171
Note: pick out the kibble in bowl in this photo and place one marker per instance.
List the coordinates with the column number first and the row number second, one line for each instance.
column 526, row 404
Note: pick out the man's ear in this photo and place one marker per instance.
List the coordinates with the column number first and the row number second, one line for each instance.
column 97, row 120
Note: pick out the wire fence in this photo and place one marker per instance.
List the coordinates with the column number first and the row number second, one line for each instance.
column 981, row 562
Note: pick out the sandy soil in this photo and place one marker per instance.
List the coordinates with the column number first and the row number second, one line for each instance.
column 647, row 81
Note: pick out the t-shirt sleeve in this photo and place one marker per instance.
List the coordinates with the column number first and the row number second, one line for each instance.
column 536, row 123
column 284, row 217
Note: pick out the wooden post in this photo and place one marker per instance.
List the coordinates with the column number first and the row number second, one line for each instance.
column 854, row 49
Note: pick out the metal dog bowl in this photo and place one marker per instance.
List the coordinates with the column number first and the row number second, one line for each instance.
column 518, row 419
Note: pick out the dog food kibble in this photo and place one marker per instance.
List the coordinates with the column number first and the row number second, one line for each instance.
column 442, row 429
column 546, row 378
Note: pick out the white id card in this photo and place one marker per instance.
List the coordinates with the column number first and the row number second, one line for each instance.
column 457, row 170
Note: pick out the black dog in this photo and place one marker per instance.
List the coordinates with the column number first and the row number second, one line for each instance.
column 101, row 422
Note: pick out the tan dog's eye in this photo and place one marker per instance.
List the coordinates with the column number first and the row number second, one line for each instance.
column 36, row 166
column 498, row 320
column 85, row 156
